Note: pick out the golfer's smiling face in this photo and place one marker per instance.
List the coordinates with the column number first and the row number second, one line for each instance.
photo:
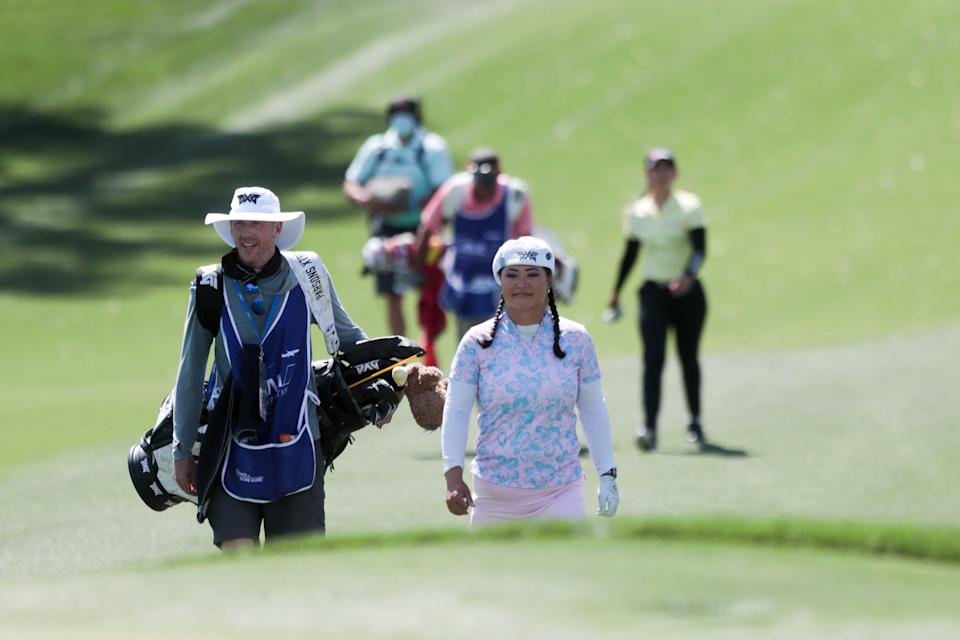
column 524, row 290
column 256, row 241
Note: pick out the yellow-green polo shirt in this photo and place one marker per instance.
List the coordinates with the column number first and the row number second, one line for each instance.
column 664, row 233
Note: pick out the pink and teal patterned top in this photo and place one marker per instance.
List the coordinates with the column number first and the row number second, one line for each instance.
column 527, row 435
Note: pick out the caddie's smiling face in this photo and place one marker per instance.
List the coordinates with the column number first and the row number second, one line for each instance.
column 256, row 241
column 524, row 290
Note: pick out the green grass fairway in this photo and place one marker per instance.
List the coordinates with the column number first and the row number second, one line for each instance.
column 846, row 457
column 541, row 588
column 821, row 137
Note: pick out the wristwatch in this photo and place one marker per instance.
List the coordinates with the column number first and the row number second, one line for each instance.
column 612, row 473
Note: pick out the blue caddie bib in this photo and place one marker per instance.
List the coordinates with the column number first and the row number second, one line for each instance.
column 278, row 457
column 469, row 288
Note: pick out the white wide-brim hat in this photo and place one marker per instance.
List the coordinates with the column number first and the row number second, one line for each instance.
column 526, row 251
column 260, row 205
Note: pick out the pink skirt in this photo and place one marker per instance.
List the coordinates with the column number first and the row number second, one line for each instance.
column 493, row 503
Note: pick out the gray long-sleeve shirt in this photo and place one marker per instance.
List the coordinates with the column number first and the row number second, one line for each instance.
column 195, row 352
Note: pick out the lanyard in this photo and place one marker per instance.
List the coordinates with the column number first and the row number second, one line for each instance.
column 246, row 311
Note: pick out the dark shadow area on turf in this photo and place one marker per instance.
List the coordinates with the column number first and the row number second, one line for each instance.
column 80, row 202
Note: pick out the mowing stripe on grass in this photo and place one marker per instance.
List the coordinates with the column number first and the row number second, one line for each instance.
column 940, row 544
column 311, row 94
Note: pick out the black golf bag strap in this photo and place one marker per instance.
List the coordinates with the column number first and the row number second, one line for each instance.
column 208, row 298
column 214, row 449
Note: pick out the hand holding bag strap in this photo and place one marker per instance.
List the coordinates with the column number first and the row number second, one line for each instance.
column 314, row 279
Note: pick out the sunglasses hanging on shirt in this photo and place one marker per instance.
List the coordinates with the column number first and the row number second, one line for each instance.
column 258, row 305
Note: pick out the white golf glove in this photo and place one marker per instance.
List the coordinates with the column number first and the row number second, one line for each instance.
column 608, row 497
column 612, row 314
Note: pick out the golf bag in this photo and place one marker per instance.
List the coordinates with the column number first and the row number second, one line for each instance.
column 567, row 276
column 150, row 461
column 355, row 389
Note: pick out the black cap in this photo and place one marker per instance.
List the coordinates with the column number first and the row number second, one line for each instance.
column 658, row 154
column 484, row 165
column 407, row 104
column 484, row 155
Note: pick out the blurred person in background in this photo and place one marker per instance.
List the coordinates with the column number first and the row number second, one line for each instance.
column 530, row 371
column 483, row 208
column 393, row 176
column 671, row 225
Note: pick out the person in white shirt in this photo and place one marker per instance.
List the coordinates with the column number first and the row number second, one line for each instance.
column 672, row 226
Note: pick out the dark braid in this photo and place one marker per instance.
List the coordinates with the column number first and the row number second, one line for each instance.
column 496, row 322
column 557, row 351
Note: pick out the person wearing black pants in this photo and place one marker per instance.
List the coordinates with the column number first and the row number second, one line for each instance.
column 671, row 224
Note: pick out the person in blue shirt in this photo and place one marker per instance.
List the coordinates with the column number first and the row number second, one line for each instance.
column 393, row 176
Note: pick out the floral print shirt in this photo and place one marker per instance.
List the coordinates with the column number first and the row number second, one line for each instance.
column 527, row 435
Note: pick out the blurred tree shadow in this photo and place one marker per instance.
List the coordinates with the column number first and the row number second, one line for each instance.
column 80, row 202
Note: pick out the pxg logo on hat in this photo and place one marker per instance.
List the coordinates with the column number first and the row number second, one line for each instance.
column 529, row 256
column 254, row 200
column 524, row 251
column 258, row 204
column 656, row 155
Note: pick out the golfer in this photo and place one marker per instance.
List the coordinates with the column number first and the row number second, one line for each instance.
column 527, row 369
column 671, row 225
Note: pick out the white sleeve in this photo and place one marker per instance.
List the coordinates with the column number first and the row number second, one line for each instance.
column 456, row 423
column 596, row 425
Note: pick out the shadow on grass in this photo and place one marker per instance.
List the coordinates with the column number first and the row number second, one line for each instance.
column 714, row 449
column 80, row 203
column 709, row 449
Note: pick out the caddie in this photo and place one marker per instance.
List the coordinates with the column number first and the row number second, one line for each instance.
column 484, row 208
column 261, row 461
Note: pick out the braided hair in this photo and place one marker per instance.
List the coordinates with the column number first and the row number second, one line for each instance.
column 496, row 322
column 557, row 351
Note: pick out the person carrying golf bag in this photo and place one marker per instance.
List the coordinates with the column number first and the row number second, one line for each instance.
column 260, row 461
column 359, row 387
